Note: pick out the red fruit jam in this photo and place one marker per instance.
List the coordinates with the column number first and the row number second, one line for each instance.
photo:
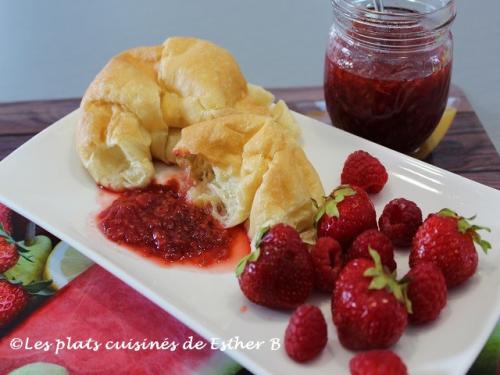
column 399, row 112
column 159, row 222
column 387, row 76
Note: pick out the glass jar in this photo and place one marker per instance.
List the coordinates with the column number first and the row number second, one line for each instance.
column 387, row 74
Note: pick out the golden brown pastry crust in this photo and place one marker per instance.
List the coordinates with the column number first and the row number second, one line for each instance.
column 114, row 147
column 201, row 78
column 179, row 83
column 187, row 102
column 286, row 192
column 212, row 151
column 122, row 126
column 253, row 167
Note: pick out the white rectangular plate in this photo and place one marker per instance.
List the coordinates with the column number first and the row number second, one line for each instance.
column 44, row 181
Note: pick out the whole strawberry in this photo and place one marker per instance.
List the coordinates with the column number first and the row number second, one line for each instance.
column 376, row 240
column 306, row 333
column 279, row 273
column 8, row 255
column 346, row 213
column 364, row 170
column 6, row 218
column 8, row 250
column 327, row 259
column 13, row 300
column 427, row 291
column 368, row 305
column 400, row 220
column 447, row 240
column 377, row 362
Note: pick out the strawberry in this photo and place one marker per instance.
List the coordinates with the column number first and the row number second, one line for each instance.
column 8, row 251
column 376, row 240
column 14, row 298
column 400, row 220
column 306, row 333
column 377, row 362
column 6, row 218
column 327, row 259
column 447, row 240
column 8, row 255
column 369, row 307
column 427, row 291
column 364, row 170
column 346, row 213
column 279, row 273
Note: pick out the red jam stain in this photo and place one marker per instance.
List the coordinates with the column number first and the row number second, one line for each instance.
column 160, row 223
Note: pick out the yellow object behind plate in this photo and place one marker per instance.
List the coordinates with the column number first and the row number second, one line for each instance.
column 64, row 264
column 437, row 135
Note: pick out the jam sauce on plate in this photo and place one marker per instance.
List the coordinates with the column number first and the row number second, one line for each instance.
column 158, row 221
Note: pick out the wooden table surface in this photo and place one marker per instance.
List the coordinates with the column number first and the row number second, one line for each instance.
column 465, row 150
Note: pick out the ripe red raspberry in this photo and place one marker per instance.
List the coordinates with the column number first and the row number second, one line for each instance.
column 327, row 259
column 400, row 221
column 364, row 170
column 377, row 362
column 377, row 241
column 427, row 292
column 306, row 334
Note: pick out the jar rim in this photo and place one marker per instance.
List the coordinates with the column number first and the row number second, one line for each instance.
column 347, row 5
column 399, row 27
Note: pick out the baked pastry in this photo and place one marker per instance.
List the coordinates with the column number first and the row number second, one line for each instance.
column 250, row 166
column 122, row 126
column 187, row 102
column 212, row 153
column 286, row 194
column 141, row 94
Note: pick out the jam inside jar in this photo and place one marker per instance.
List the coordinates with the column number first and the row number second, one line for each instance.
column 387, row 74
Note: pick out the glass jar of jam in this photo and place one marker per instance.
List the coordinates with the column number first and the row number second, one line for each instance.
column 387, row 73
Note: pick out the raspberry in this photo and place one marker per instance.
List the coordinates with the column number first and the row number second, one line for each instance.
column 377, row 362
column 427, row 292
column 400, row 221
column 327, row 259
column 377, row 241
column 306, row 334
column 364, row 170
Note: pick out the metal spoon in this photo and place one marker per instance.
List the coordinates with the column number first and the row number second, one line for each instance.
column 30, row 233
column 378, row 5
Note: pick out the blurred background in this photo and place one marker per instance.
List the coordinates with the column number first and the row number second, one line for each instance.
column 53, row 49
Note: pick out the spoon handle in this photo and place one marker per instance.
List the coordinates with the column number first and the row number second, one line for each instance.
column 379, row 5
